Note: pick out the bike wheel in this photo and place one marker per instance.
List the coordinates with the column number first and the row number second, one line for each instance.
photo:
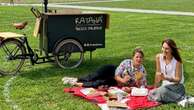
column 69, row 54
column 11, row 52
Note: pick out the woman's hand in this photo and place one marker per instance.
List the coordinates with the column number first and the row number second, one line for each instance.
column 122, row 81
column 162, row 77
column 126, row 79
column 158, row 78
column 138, row 83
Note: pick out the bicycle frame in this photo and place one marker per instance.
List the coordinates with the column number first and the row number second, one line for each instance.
column 34, row 58
column 30, row 54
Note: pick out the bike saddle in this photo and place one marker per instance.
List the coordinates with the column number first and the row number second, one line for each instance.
column 20, row 25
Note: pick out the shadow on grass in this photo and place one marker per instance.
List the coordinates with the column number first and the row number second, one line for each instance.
column 39, row 72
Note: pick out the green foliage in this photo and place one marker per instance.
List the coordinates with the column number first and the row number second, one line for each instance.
column 39, row 87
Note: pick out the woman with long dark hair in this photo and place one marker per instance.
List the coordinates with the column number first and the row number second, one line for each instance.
column 169, row 72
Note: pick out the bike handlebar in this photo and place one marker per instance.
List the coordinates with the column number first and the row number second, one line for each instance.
column 36, row 12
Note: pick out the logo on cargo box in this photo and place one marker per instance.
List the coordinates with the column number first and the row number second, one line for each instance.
column 89, row 23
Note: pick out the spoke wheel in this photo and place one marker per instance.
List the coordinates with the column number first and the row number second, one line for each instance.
column 11, row 52
column 69, row 54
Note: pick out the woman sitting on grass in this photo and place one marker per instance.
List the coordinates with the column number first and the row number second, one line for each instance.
column 129, row 73
column 169, row 70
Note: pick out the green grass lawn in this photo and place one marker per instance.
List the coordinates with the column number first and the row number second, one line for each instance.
column 39, row 87
column 178, row 5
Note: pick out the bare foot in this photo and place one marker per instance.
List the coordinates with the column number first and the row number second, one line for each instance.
column 78, row 84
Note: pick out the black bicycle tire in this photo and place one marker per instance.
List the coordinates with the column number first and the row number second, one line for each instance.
column 58, row 48
column 21, row 48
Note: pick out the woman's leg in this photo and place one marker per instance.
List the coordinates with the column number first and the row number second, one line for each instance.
column 175, row 92
column 102, row 73
column 103, row 76
column 94, row 84
column 168, row 93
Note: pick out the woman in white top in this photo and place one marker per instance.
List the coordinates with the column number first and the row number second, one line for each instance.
column 169, row 73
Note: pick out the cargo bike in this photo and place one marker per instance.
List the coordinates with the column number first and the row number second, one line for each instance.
column 63, row 38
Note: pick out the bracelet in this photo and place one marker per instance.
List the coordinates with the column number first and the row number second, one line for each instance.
column 171, row 79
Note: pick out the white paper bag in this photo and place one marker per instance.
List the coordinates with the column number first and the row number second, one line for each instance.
column 139, row 91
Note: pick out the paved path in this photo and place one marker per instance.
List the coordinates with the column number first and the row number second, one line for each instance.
column 100, row 1
column 113, row 9
column 125, row 10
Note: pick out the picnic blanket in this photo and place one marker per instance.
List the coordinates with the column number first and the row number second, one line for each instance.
column 133, row 102
column 77, row 92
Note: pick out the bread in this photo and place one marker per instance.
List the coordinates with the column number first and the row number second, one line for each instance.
column 138, row 75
